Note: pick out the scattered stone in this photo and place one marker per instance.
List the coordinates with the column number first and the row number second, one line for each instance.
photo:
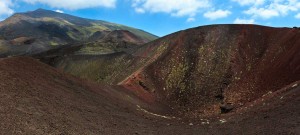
column 205, row 123
column 226, row 107
column 223, row 120
column 295, row 85
column 191, row 124
column 270, row 92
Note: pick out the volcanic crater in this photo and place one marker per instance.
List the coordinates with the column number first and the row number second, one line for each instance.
column 214, row 77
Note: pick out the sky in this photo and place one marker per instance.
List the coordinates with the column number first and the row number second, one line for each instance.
column 162, row 17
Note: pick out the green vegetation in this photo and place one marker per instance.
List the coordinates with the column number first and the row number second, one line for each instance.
column 96, row 27
column 60, row 22
column 109, row 71
column 53, row 43
column 95, row 50
column 3, row 48
column 87, row 31
column 83, row 32
column 104, row 47
column 175, row 79
column 191, row 78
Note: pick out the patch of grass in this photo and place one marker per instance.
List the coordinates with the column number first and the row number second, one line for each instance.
column 53, row 43
column 3, row 48
column 175, row 79
column 109, row 71
column 96, row 27
column 56, row 21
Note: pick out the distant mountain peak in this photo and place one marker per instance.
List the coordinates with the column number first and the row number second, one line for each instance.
column 42, row 10
column 51, row 28
column 42, row 13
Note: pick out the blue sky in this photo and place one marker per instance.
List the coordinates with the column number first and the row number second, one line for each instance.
column 162, row 17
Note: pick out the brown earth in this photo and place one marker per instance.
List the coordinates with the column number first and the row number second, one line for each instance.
column 22, row 41
column 39, row 99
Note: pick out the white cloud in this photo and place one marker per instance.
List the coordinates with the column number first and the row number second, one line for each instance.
column 276, row 8
column 75, row 4
column 5, row 7
column 243, row 21
column 174, row 7
column 191, row 19
column 297, row 16
column 262, row 12
column 249, row 2
column 139, row 10
column 59, row 11
column 217, row 14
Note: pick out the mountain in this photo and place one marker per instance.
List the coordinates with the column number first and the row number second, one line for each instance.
column 41, row 30
column 202, row 71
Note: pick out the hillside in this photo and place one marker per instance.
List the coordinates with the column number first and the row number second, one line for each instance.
column 211, row 69
column 41, row 30
column 39, row 99
column 201, row 71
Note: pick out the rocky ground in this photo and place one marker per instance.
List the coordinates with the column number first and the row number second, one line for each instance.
column 39, row 99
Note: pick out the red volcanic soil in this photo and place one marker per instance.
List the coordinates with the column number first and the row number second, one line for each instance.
column 127, row 36
column 196, row 70
column 118, row 35
column 22, row 41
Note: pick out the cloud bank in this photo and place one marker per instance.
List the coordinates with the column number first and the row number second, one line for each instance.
column 249, row 2
column 177, row 8
column 75, row 4
column 5, row 7
column 213, row 15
